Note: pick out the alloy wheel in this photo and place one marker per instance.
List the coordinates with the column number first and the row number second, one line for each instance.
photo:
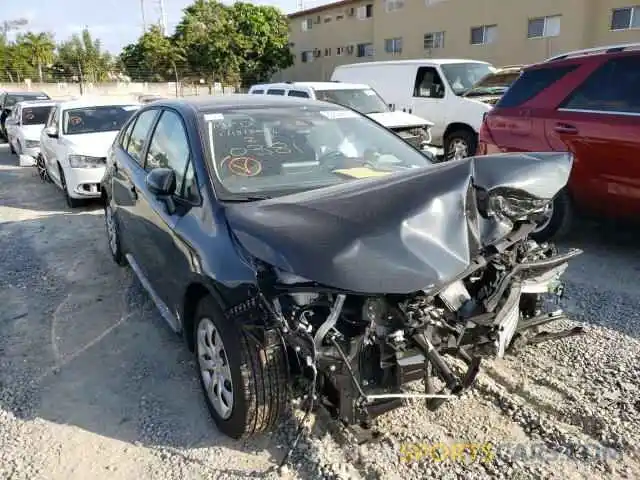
column 214, row 368
column 458, row 149
column 547, row 216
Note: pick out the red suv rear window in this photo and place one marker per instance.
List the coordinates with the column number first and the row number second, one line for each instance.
column 532, row 82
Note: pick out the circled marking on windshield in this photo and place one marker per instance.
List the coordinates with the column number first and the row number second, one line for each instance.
column 245, row 166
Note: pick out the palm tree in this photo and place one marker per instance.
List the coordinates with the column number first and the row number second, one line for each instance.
column 41, row 46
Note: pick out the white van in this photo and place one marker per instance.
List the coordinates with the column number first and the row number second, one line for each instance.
column 363, row 99
column 430, row 88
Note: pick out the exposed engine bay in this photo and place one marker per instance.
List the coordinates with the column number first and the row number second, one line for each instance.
column 360, row 351
column 375, row 285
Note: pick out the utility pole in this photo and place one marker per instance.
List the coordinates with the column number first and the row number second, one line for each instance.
column 163, row 19
column 144, row 21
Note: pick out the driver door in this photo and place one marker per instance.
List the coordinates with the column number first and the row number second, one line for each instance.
column 163, row 250
column 429, row 95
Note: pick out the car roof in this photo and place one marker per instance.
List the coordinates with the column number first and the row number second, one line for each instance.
column 202, row 103
column 24, row 92
column 86, row 102
column 415, row 61
column 37, row 103
column 315, row 85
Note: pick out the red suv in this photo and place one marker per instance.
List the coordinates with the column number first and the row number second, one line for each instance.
column 586, row 102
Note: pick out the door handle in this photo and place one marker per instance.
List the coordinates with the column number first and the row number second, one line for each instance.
column 565, row 128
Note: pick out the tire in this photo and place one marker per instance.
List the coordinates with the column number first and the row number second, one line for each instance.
column 259, row 380
column 71, row 202
column 462, row 136
column 42, row 169
column 560, row 222
column 112, row 228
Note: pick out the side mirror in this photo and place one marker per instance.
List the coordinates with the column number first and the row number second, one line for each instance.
column 51, row 132
column 161, row 182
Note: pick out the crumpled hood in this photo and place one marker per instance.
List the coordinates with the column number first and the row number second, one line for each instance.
column 412, row 230
column 399, row 120
column 91, row 144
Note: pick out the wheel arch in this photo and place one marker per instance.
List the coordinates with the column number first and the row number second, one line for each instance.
column 452, row 127
column 197, row 289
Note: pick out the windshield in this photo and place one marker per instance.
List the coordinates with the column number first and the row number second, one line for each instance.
column 270, row 151
column 365, row 101
column 493, row 84
column 462, row 76
column 105, row 118
column 35, row 115
column 13, row 98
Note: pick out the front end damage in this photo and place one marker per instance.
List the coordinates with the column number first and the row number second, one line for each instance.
column 358, row 349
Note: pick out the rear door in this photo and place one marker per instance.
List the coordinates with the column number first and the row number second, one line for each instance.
column 517, row 123
column 600, row 124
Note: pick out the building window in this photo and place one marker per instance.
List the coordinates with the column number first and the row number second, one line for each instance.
column 625, row 18
column 365, row 50
column 484, row 34
column 393, row 45
column 306, row 56
column 339, row 17
column 393, row 5
column 327, row 52
column 433, row 40
column 307, row 24
column 339, row 51
column 365, row 11
column 544, row 27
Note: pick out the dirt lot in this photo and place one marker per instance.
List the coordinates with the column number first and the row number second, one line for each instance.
column 94, row 385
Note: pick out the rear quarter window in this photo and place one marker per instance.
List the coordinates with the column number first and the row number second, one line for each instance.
column 275, row 91
column 531, row 82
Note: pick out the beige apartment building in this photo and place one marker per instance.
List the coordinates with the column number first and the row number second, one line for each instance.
column 503, row 32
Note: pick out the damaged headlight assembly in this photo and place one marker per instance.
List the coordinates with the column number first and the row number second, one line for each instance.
column 514, row 205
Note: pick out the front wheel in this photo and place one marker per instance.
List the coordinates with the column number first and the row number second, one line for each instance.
column 460, row 144
column 244, row 383
column 71, row 202
column 42, row 169
column 557, row 219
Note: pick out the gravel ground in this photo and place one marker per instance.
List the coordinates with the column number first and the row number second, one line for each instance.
column 94, row 385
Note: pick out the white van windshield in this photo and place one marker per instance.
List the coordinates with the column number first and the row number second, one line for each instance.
column 365, row 101
column 462, row 76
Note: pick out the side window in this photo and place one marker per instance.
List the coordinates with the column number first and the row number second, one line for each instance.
column 257, row 92
column 298, row 93
column 613, row 87
column 428, row 84
column 126, row 135
column 169, row 147
column 139, row 134
column 275, row 91
column 531, row 83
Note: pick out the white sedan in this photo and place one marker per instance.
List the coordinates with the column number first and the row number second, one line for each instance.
column 75, row 141
column 24, row 126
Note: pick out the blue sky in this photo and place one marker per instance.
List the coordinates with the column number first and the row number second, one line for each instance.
column 115, row 22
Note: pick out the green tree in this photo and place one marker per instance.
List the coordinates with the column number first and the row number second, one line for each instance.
column 82, row 56
column 19, row 61
column 154, row 57
column 41, row 48
column 261, row 41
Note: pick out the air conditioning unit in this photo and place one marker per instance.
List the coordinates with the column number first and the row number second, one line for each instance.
column 351, row 12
